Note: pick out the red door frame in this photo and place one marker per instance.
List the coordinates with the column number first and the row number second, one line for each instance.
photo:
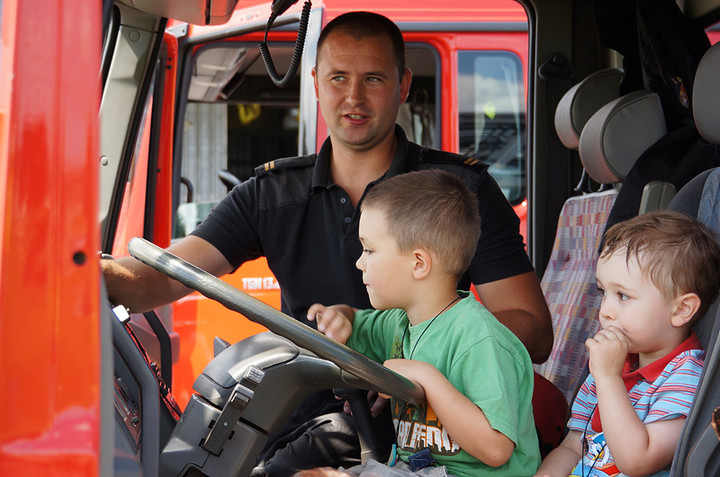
column 49, row 277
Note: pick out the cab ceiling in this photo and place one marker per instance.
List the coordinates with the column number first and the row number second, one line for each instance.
column 197, row 12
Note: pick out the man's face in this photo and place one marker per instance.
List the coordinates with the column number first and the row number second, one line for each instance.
column 357, row 86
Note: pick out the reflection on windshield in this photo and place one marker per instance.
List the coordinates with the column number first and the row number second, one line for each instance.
column 492, row 116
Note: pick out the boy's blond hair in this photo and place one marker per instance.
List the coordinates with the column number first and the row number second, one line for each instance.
column 431, row 209
column 678, row 253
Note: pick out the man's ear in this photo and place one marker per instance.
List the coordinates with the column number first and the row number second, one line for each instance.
column 685, row 308
column 315, row 81
column 422, row 263
column 405, row 82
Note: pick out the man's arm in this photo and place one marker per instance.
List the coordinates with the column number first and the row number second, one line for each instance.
column 141, row 288
column 518, row 303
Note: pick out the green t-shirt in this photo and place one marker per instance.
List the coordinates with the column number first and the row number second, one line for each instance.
column 480, row 357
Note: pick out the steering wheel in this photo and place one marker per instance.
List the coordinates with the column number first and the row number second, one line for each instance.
column 369, row 373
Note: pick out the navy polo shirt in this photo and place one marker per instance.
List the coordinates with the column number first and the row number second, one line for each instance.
column 292, row 213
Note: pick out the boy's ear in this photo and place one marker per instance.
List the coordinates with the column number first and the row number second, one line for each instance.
column 685, row 308
column 422, row 263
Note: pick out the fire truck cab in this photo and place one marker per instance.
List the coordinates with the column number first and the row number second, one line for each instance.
column 130, row 118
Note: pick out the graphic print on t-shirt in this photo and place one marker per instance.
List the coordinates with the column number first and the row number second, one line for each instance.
column 596, row 461
column 419, row 428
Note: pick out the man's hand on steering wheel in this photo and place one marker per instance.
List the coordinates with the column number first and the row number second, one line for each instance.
column 377, row 403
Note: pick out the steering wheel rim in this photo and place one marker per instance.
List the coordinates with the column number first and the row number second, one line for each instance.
column 377, row 377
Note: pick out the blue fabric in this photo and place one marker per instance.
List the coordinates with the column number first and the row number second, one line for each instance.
column 709, row 202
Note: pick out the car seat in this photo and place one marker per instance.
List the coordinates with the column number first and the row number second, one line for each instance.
column 610, row 133
column 581, row 101
column 416, row 117
column 700, row 198
column 698, row 452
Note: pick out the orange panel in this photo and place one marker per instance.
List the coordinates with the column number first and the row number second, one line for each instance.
column 198, row 321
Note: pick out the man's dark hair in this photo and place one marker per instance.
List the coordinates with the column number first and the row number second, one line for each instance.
column 360, row 25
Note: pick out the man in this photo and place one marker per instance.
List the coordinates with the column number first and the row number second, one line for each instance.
column 302, row 213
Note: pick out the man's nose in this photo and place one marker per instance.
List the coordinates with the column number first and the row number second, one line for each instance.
column 355, row 92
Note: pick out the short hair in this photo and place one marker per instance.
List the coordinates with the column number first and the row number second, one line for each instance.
column 431, row 209
column 360, row 25
column 679, row 254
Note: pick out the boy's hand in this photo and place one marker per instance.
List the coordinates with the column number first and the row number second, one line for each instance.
column 608, row 350
column 333, row 321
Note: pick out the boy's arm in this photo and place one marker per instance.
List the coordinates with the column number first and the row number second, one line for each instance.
column 563, row 459
column 637, row 449
column 334, row 321
column 462, row 419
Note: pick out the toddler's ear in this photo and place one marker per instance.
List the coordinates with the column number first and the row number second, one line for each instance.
column 685, row 308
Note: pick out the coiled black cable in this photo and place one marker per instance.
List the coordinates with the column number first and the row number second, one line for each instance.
column 297, row 52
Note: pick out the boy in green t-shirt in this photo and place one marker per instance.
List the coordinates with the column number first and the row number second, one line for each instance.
column 419, row 232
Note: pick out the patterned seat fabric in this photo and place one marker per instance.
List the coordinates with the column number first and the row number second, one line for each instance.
column 610, row 141
column 570, row 287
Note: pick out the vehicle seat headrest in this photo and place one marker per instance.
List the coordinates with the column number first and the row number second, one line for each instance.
column 582, row 100
column 618, row 133
column 706, row 95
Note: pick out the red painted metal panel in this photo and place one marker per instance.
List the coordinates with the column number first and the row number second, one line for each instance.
column 163, row 196
column 49, row 279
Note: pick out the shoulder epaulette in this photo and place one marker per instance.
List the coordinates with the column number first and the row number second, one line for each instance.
column 284, row 163
column 434, row 156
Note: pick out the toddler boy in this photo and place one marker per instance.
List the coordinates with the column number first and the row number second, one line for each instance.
column 658, row 273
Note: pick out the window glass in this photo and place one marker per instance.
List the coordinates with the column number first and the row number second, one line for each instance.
column 492, row 116
column 236, row 119
column 419, row 115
